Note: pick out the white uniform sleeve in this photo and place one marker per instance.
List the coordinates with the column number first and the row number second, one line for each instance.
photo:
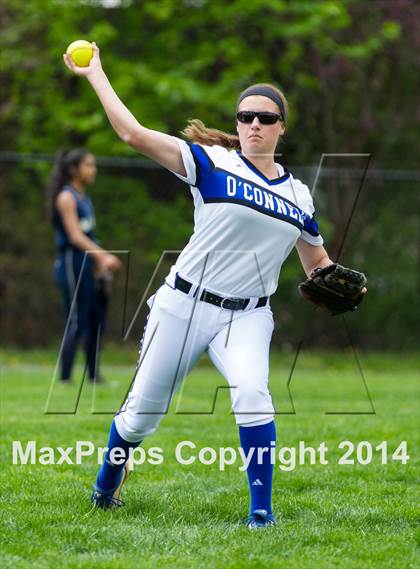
column 189, row 164
column 304, row 200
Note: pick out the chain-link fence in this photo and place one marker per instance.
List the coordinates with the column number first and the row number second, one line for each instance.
column 144, row 211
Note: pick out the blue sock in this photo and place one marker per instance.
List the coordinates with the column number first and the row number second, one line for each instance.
column 260, row 476
column 109, row 475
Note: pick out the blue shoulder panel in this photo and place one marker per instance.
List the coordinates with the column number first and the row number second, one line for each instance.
column 310, row 225
column 203, row 163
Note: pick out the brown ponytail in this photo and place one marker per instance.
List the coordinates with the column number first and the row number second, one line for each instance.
column 196, row 131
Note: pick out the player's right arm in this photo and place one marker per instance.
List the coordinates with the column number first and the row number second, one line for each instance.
column 158, row 146
column 66, row 206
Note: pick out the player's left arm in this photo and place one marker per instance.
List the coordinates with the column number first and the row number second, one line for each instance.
column 312, row 256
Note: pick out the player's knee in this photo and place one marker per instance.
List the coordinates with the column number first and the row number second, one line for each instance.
column 135, row 427
column 251, row 400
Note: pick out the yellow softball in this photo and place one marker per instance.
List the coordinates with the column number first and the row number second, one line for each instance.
column 81, row 52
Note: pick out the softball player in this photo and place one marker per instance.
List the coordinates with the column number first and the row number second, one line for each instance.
column 249, row 214
column 80, row 282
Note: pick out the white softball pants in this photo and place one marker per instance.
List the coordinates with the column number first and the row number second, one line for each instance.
column 179, row 329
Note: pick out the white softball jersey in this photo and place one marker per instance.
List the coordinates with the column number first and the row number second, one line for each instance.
column 245, row 225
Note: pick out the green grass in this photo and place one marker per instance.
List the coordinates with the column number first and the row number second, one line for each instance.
column 189, row 516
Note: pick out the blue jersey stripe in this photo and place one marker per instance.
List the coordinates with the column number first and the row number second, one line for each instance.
column 276, row 215
column 224, row 187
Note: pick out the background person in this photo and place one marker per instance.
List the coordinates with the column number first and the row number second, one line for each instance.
column 83, row 278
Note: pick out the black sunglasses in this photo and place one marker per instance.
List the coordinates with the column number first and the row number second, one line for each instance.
column 264, row 117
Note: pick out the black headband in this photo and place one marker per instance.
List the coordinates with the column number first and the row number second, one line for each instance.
column 265, row 92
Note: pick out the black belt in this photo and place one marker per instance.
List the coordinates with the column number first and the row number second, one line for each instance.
column 229, row 303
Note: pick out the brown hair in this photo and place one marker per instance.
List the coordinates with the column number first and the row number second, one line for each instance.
column 196, row 130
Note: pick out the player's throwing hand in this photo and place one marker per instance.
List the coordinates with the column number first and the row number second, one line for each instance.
column 94, row 65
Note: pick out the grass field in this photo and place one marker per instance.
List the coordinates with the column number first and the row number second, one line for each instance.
column 189, row 516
